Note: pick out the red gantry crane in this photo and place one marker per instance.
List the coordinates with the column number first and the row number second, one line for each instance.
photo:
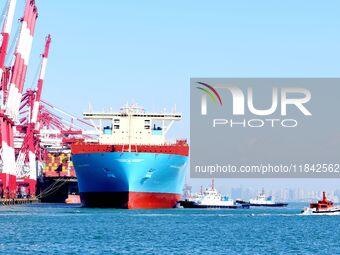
column 28, row 129
column 26, row 162
column 7, row 175
column 12, row 83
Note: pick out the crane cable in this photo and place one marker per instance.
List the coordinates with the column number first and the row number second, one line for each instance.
column 50, row 192
column 52, row 188
column 57, row 184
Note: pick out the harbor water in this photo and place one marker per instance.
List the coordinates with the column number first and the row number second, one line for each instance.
column 64, row 229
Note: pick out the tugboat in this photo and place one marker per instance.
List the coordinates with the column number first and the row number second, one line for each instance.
column 322, row 207
column 211, row 198
column 262, row 200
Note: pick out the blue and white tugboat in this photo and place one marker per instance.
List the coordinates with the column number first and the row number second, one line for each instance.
column 263, row 200
column 211, row 198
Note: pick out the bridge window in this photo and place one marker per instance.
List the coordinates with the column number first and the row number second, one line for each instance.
column 107, row 130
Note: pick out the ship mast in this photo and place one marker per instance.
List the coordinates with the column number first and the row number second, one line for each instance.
column 129, row 129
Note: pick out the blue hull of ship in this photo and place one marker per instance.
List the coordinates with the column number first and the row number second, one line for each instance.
column 111, row 176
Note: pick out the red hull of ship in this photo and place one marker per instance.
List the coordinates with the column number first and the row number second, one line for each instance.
column 146, row 200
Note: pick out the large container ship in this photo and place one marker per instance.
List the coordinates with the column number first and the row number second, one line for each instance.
column 132, row 166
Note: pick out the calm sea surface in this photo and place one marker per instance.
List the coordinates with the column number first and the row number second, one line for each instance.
column 62, row 229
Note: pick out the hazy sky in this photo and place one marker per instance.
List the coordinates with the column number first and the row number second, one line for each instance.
column 109, row 52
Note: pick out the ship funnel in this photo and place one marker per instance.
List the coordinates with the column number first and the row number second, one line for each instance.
column 324, row 196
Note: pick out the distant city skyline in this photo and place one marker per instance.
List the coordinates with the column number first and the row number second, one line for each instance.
column 111, row 52
column 279, row 195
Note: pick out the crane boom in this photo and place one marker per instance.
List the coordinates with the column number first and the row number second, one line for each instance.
column 22, row 53
column 6, row 31
column 35, row 110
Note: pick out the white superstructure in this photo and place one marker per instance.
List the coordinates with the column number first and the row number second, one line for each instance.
column 133, row 126
column 211, row 197
column 261, row 199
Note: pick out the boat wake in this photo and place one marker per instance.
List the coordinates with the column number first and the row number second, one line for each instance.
column 273, row 214
column 320, row 214
column 154, row 215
